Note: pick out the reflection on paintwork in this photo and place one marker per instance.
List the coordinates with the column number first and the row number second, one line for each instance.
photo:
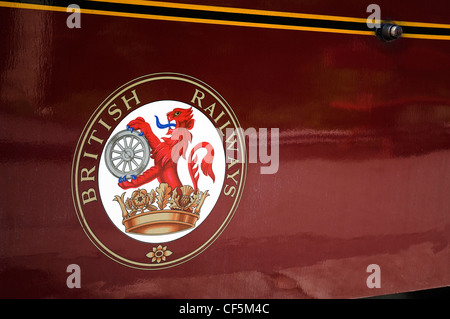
column 364, row 171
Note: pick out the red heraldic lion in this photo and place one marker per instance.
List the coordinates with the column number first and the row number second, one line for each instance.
column 166, row 153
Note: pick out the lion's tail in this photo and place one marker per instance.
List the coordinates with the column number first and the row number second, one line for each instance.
column 206, row 164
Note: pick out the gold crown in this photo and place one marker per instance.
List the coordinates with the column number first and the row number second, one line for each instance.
column 140, row 216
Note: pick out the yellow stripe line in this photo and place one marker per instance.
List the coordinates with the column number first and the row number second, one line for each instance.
column 423, row 24
column 425, row 36
column 16, row 5
column 235, row 23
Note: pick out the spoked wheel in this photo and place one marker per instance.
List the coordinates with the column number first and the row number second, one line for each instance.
column 127, row 154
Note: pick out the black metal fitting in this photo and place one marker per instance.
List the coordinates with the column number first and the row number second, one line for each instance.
column 388, row 32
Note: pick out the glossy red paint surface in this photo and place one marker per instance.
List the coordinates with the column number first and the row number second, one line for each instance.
column 364, row 174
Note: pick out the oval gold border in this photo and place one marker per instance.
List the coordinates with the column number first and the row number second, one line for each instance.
column 75, row 169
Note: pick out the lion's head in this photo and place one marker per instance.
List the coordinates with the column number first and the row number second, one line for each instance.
column 182, row 117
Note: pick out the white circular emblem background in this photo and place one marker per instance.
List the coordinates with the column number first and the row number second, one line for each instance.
column 203, row 131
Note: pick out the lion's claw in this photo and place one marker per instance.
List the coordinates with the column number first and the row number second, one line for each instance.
column 122, row 179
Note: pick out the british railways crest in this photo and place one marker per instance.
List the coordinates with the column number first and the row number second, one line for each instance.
column 157, row 175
